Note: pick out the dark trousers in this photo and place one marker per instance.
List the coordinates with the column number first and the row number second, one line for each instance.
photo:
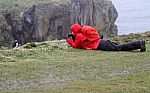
column 107, row 45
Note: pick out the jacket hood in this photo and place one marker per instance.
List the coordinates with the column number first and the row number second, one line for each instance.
column 76, row 28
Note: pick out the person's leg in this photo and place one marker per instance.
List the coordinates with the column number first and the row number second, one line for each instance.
column 134, row 46
column 107, row 45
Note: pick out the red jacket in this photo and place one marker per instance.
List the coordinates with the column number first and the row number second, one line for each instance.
column 81, row 40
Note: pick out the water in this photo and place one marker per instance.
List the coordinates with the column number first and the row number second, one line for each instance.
column 134, row 16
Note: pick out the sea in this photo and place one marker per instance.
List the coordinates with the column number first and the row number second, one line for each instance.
column 133, row 16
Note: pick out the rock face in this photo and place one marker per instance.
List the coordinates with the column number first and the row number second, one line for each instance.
column 5, row 33
column 53, row 21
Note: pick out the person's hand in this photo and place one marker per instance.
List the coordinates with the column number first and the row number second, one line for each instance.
column 67, row 39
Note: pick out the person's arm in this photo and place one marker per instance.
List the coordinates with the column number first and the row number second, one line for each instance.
column 70, row 42
column 74, row 44
column 77, row 43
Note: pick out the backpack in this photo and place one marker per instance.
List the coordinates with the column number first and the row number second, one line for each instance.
column 90, row 33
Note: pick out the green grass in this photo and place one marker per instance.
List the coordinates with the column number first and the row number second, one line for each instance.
column 21, row 4
column 54, row 67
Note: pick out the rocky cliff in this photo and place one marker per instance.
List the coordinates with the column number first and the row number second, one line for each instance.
column 52, row 21
column 5, row 33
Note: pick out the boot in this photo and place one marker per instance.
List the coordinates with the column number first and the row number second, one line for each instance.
column 134, row 46
column 143, row 47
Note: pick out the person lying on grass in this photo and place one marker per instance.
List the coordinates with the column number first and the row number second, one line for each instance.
column 86, row 37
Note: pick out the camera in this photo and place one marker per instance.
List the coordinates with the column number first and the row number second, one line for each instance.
column 71, row 36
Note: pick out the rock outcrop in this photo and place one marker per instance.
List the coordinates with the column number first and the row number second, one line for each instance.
column 5, row 33
column 53, row 21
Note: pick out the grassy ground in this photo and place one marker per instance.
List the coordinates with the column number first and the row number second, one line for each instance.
column 54, row 67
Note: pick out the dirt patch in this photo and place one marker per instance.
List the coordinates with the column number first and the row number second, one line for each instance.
column 16, row 84
column 53, row 80
column 117, row 72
